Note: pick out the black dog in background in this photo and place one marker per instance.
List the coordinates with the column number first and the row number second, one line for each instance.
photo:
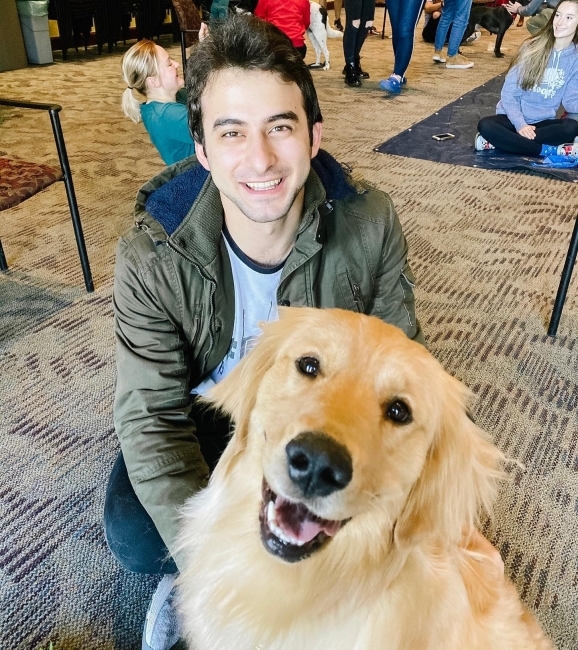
column 497, row 20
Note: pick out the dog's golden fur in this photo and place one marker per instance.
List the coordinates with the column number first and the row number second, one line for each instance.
column 399, row 575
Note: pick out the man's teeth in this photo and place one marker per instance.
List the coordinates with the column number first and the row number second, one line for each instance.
column 276, row 530
column 268, row 185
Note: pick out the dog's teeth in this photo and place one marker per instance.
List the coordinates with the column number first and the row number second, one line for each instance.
column 271, row 513
column 276, row 530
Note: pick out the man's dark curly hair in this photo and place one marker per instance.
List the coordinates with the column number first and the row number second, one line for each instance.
column 247, row 43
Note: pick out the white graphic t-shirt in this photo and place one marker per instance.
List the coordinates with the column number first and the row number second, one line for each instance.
column 255, row 301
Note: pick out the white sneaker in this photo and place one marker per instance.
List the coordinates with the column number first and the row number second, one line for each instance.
column 438, row 57
column 162, row 627
column 481, row 144
column 570, row 149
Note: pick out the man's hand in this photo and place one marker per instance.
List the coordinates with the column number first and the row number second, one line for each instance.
column 528, row 131
column 513, row 7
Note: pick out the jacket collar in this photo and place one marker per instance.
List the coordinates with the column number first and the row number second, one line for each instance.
column 187, row 209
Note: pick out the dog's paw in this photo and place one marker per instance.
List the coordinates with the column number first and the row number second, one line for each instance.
column 499, row 55
column 326, row 66
column 316, row 66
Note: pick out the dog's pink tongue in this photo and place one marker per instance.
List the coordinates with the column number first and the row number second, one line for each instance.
column 298, row 522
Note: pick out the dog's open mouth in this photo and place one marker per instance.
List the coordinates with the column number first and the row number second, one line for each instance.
column 289, row 530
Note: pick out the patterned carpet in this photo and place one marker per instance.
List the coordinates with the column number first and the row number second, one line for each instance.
column 487, row 248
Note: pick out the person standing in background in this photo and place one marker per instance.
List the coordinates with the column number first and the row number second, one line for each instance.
column 292, row 17
column 403, row 16
column 359, row 16
column 456, row 14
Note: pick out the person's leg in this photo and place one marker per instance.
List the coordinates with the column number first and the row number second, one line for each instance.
column 556, row 132
column 129, row 531
column 498, row 130
column 367, row 16
column 409, row 15
column 444, row 25
column 460, row 22
column 135, row 542
column 352, row 28
column 429, row 31
column 337, row 6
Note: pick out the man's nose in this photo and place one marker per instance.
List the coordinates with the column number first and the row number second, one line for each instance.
column 261, row 154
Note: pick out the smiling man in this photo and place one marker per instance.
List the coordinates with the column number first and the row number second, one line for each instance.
column 260, row 217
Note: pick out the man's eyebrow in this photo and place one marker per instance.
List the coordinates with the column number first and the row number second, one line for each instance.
column 289, row 115
column 227, row 121
column 232, row 121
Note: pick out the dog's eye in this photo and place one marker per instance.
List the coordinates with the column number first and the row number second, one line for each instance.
column 399, row 412
column 308, row 366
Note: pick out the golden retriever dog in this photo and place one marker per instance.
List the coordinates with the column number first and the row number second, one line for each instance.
column 335, row 518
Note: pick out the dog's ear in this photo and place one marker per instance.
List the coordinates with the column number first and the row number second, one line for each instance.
column 459, row 477
column 236, row 394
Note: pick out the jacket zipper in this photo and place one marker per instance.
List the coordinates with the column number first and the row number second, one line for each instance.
column 213, row 289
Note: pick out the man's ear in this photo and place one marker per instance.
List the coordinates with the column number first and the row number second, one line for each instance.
column 202, row 156
column 317, row 132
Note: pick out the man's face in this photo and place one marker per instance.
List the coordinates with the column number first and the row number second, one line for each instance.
column 257, row 144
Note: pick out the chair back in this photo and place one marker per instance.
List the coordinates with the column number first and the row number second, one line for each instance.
column 189, row 19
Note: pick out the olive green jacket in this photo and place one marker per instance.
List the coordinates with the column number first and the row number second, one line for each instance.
column 174, row 308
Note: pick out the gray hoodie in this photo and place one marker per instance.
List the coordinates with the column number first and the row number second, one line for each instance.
column 558, row 86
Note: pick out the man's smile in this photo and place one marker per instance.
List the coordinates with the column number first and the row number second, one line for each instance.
column 264, row 185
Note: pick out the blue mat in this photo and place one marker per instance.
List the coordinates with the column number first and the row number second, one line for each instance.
column 461, row 118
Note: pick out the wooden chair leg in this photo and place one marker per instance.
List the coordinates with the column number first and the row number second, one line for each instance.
column 3, row 263
column 564, row 281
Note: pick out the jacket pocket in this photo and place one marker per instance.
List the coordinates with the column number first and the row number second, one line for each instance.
column 350, row 291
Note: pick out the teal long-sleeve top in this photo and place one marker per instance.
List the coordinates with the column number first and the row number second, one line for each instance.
column 168, row 127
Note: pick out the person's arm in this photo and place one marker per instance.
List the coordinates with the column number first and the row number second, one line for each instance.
column 511, row 99
column 529, row 10
column 152, row 402
column 176, row 117
column 393, row 298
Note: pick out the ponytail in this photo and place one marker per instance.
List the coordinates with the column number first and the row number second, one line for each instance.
column 138, row 64
column 130, row 105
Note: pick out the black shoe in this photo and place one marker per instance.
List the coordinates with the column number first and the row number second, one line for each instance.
column 337, row 24
column 361, row 74
column 351, row 78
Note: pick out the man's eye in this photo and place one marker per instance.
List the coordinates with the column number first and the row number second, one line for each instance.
column 230, row 134
column 280, row 128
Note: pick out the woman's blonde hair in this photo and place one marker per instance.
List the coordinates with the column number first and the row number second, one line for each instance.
column 138, row 64
column 532, row 57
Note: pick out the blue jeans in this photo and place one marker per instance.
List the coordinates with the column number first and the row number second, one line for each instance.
column 457, row 14
column 403, row 16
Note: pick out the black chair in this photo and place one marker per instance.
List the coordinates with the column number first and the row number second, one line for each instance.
column 564, row 282
column 21, row 179
column 75, row 17
column 189, row 19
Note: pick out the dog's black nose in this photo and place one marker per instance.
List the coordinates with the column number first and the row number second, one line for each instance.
column 318, row 465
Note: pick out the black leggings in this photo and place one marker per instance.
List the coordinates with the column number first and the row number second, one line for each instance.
column 499, row 131
column 354, row 37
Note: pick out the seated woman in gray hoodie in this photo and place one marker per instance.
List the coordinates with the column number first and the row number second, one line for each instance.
column 542, row 77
